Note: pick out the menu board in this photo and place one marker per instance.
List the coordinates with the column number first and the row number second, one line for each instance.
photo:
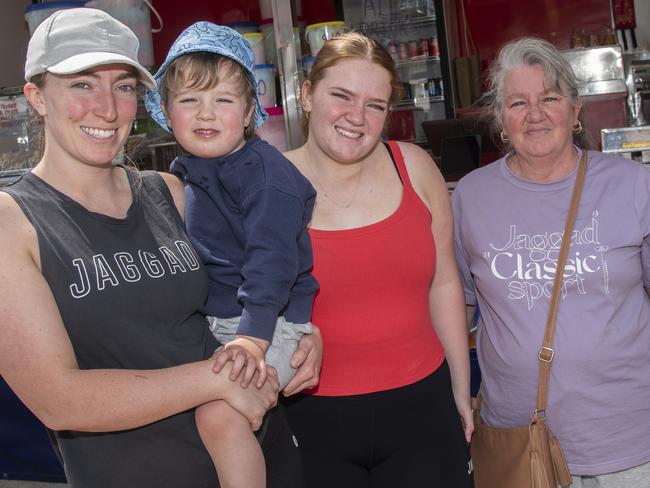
column 13, row 108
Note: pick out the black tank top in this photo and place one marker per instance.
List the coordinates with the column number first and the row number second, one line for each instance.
column 131, row 293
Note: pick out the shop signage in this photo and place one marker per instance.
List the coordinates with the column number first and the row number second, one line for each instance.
column 13, row 108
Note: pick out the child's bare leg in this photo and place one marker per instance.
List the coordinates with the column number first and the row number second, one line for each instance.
column 232, row 445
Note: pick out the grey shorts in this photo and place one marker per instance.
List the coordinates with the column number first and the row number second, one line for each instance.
column 284, row 342
column 637, row 477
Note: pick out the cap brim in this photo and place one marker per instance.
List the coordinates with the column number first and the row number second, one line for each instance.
column 84, row 61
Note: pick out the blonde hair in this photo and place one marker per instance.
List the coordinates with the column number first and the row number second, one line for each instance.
column 203, row 71
column 353, row 45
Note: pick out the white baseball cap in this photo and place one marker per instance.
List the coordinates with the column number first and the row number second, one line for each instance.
column 73, row 40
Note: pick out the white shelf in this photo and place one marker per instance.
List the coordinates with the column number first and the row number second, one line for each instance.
column 416, row 61
column 399, row 22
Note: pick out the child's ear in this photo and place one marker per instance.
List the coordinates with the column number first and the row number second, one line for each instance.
column 163, row 107
column 35, row 96
column 250, row 115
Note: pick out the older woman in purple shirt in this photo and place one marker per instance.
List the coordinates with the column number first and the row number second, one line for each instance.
column 509, row 220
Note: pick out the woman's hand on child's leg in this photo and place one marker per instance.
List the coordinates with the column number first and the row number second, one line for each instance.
column 307, row 359
column 252, row 403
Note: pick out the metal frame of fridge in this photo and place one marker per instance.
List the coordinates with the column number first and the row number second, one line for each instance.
column 290, row 78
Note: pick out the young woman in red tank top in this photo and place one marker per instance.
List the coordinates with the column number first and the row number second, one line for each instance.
column 392, row 407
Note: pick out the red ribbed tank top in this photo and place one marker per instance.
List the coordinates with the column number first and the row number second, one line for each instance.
column 373, row 303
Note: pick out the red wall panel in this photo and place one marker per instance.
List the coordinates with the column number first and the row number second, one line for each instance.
column 178, row 15
column 318, row 11
column 493, row 22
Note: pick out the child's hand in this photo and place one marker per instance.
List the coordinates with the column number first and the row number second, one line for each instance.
column 247, row 355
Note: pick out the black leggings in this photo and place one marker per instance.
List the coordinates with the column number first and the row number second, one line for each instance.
column 406, row 437
column 281, row 453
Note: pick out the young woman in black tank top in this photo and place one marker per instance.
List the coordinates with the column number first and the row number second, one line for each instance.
column 102, row 326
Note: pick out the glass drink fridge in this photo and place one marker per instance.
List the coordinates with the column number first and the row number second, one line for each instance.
column 413, row 31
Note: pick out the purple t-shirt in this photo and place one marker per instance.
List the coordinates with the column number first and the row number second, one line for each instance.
column 508, row 233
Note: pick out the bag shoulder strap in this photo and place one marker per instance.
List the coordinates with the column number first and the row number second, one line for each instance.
column 546, row 352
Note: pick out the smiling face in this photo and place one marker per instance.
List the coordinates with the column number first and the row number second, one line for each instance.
column 536, row 118
column 347, row 109
column 210, row 122
column 87, row 115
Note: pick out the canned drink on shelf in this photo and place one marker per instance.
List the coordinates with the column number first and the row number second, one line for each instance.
column 431, row 87
column 434, row 48
column 424, row 46
column 413, row 48
column 437, row 87
column 392, row 50
column 403, row 50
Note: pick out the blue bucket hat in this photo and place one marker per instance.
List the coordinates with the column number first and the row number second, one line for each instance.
column 211, row 38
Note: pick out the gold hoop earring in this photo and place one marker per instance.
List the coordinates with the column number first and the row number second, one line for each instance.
column 577, row 129
column 504, row 138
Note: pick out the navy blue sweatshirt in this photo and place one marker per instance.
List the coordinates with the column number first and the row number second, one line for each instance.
column 247, row 215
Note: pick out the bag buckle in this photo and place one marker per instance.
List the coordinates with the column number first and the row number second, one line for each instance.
column 545, row 354
column 539, row 415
